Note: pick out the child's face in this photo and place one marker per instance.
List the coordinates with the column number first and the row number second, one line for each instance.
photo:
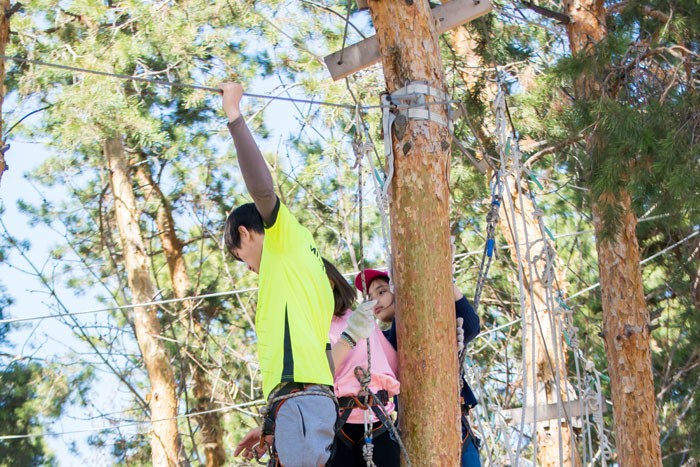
column 384, row 310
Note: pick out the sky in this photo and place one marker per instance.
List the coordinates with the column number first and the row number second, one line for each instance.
column 47, row 338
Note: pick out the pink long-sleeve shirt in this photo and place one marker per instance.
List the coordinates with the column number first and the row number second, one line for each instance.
column 384, row 367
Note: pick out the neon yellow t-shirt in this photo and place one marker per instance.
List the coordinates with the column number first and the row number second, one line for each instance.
column 295, row 307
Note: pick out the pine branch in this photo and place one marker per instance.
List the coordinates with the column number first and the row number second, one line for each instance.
column 646, row 10
column 553, row 148
column 559, row 17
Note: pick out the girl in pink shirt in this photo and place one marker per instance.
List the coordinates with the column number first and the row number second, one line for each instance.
column 347, row 355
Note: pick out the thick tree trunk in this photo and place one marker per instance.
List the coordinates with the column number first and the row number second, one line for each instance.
column 519, row 226
column 210, row 423
column 166, row 446
column 421, row 241
column 625, row 316
column 627, row 336
column 4, row 37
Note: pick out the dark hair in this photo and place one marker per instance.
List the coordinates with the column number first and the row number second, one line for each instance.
column 247, row 216
column 379, row 278
column 343, row 293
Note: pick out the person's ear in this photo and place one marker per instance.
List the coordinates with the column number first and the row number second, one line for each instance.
column 243, row 232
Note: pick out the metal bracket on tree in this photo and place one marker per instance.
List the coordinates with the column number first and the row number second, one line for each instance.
column 410, row 102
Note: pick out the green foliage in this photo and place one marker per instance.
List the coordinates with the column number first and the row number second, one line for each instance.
column 642, row 127
column 34, row 393
column 19, row 415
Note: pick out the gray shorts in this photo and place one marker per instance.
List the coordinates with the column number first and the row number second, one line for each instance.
column 304, row 430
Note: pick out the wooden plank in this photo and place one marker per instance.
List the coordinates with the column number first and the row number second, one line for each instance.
column 546, row 412
column 366, row 52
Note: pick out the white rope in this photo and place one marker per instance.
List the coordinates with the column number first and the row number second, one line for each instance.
column 362, row 149
column 502, row 144
column 381, row 188
column 510, row 159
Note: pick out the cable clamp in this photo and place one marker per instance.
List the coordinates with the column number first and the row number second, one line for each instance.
column 410, row 101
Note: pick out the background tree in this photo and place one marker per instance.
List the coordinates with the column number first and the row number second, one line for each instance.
column 179, row 161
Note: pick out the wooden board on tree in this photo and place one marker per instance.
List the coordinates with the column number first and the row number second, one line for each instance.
column 573, row 408
column 366, row 52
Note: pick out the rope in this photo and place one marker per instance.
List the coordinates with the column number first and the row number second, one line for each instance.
column 381, row 184
column 561, row 315
column 127, row 307
column 124, row 425
column 362, row 375
column 345, row 35
column 172, row 84
column 491, row 221
column 176, row 84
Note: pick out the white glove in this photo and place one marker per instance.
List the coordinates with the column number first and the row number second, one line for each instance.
column 361, row 322
column 460, row 334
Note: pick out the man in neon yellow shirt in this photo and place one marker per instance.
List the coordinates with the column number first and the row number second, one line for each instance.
column 294, row 310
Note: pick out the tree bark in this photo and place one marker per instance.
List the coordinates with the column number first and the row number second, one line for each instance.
column 420, row 237
column 4, row 38
column 210, row 423
column 625, row 316
column 166, row 446
column 627, row 339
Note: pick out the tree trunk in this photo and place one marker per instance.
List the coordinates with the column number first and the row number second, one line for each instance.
column 166, row 446
column 548, row 360
column 625, row 316
column 210, row 423
column 627, row 338
column 421, row 241
column 4, row 38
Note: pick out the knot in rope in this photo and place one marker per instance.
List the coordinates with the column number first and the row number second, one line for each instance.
column 493, row 216
column 364, row 377
column 368, row 452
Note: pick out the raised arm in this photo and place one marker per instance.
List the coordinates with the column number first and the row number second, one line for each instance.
column 255, row 173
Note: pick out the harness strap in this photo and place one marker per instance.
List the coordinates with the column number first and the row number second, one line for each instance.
column 375, row 402
column 286, row 391
column 281, row 394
